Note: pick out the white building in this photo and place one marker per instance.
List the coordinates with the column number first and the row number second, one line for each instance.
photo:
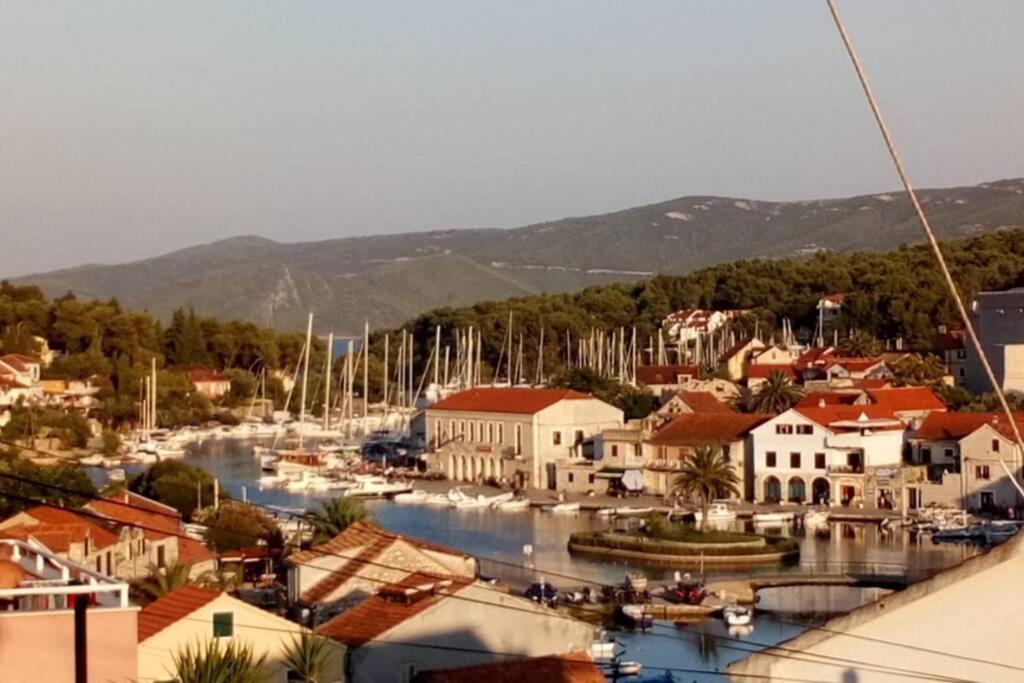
column 427, row 622
column 689, row 324
column 516, row 434
column 837, row 454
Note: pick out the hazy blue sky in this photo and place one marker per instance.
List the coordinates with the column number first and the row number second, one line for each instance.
column 132, row 128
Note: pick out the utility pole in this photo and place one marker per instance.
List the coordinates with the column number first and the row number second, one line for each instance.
column 81, row 649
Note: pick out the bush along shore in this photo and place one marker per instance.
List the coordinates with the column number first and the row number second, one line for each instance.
column 679, row 545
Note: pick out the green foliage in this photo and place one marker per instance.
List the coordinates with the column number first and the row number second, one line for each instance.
column 164, row 580
column 635, row 402
column 111, row 443
column 175, row 483
column 859, row 344
column 706, row 474
column 66, row 476
column 919, row 370
column 210, row 662
column 308, row 657
column 987, row 403
column 71, row 428
column 334, row 516
column 235, row 525
column 775, row 395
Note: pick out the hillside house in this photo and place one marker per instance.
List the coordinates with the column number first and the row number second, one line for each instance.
column 848, row 455
column 210, row 383
column 515, row 434
column 830, row 307
column 690, row 402
column 665, row 378
column 425, row 622
column 353, row 565
column 191, row 615
column 734, row 360
column 41, row 593
column 950, row 347
column 22, row 369
column 685, row 326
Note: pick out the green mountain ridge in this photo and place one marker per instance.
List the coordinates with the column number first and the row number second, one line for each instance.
column 388, row 279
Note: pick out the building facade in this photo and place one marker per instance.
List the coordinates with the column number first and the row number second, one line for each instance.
column 998, row 319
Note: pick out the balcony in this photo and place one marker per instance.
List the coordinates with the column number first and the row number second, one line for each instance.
column 48, row 581
column 846, row 469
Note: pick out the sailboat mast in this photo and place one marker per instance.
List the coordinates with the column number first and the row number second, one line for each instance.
column 366, row 374
column 327, row 382
column 305, row 377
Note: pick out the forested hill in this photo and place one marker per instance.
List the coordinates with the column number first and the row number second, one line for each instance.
column 390, row 279
column 897, row 294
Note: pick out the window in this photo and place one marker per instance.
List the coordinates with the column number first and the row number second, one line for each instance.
column 615, row 451
column 407, row 672
column 472, row 431
column 961, row 353
column 462, row 429
column 556, row 438
column 578, row 437
column 794, row 460
column 926, row 456
column 995, row 445
column 819, row 461
column 783, row 429
column 452, row 425
column 490, row 432
column 638, row 450
column 590, row 478
column 99, row 564
column 804, row 429
column 948, row 453
column 769, row 459
column 572, row 477
column 962, row 372
column 161, row 556
column 501, row 433
column 223, row 624
column 519, row 439
column 981, row 472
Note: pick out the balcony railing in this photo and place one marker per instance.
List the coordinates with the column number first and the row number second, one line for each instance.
column 846, row 469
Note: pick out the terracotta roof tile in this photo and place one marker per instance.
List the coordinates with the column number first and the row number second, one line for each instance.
column 701, row 428
column 573, row 667
column 816, row 399
column 764, row 371
column 907, row 398
column 939, row 426
column 46, row 515
column 703, row 402
column 191, row 551
column 394, row 604
column 172, row 608
column 665, row 374
column 736, row 349
column 157, row 525
column 831, row 414
column 518, row 400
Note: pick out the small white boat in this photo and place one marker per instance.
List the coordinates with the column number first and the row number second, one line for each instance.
column 417, row 496
column 145, row 457
column 471, row 502
column 773, row 517
column 815, row 518
column 564, row 507
column 116, row 474
column 446, row 499
column 628, row 668
column 605, row 512
column 113, row 461
column 94, row 460
column 630, row 511
column 603, row 647
column 513, row 505
column 717, row 512
column 376, row 487
column 737, row 615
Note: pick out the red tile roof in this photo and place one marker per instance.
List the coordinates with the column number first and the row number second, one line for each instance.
column 665, row 374
column 907, row 398
column 394, row 604
column 172, row 608
column 736, row 349
column 939, row 426
column 518, row 400
column 18, row 361
column 816, row 399
column 701, row 428
column 834, row 298
column 573, row 667
column 202, row 375
column 950, row 341
column 872, row 383
column 68, row 520
column 372, row 542
column 764, row 371
column 831, row 414
column 703, row 402
column 854, row 364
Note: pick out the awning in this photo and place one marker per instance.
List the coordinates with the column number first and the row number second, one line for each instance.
column 632, row 480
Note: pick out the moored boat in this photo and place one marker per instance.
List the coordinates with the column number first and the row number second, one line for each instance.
column 416, row 496
column 737, row 615
column 513, row 505
column 717, row 512
column 564, row 507
column 779, row 517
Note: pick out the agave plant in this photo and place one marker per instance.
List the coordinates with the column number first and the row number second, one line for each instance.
column 162, row 581
column 307, row 658
column 210, row 663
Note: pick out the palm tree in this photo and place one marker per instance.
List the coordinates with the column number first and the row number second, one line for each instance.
column 707, row 474
column 162, row 581
column 307, row 657
column 776, row 394
column 334, row 516
column 859, row 344
column 210, row 663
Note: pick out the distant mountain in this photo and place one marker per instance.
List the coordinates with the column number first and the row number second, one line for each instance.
column 389, row 279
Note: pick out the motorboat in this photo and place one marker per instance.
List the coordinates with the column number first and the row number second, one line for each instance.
column 116, row 474
column 630, row 511
column 481, row 501
column 779, row 517
column 999, row 531
column 605, row 512
column 169, row 452
column 145, row 457
column 564, row 507
column 816, row 518
column 513, row 505
column 272, row 481
column 717, row 512
column 94, row 460
column 737, row 615
column 376, row 487
column 446, row 499
column 299, row 461
column 417, row 496
column 267, row 461
column 628, row 668
column 312, row 482
column 603, row 646
column 636, row 616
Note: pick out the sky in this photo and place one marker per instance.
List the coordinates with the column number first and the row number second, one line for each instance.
column 133, row 128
